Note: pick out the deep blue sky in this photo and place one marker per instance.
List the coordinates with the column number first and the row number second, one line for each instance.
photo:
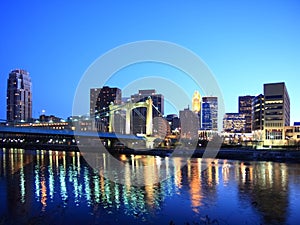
column 244, row 43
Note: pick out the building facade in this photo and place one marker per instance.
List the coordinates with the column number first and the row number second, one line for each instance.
column 196, row 102
column 188, row 124
column 206, row 117
column 196, row 106
column 258, row 108
column 19, row 96
column 234, row 123
column 174, row 122
column 276, row 113
column 245, row 107
column 211, row 114
column 138, row 122
column 100, row 99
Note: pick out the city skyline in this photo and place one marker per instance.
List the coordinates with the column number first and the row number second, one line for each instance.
column 94, row 92
column 244, row 44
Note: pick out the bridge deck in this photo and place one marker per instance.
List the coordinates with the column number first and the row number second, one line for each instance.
column 39, row 131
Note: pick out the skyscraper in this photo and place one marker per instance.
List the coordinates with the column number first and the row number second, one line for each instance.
column 189, row 124
column 276, row 113
column 196, row 102
column 19, row 96
column 139, row 114
column 100, row 99
column 212, row 102
column 206, row 117
column 196, row 106
column 245, row 107
column 258, row 112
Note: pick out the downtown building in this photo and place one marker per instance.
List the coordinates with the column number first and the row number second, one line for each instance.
column 276, row 114
column 234, row 123
column 189, row 124
column 100, row 99
column 196, row 106
column 240, row 122
column 174, row 122
column 138, row 121
column 210, row 113
column 19, row 96
column 258, row 113
column 245, row 107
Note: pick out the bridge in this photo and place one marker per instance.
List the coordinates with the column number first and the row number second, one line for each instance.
column 47, row 138
column 128, row 107
column 15, row 135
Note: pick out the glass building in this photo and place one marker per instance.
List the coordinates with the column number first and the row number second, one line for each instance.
column 19, row 96
column 258, row 112
column 245, row 107
column 212, row 102
column 206, row 117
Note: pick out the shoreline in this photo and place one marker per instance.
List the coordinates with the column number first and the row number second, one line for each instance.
column 231, row 153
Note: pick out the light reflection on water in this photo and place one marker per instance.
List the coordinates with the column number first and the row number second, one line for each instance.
column 51, row 187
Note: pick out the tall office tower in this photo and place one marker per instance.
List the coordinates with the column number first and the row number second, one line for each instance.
column 100, row 99
column 245, row 107
column 213, row 111
column 234, row 122
column 138, row 124
column 258, row 112
column 196, row 106
column 276, row 113
column 206, row 117
column 19, row 96
column 196, row 102
column 189, row 124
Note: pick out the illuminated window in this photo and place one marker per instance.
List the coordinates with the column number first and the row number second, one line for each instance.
column 273, row 134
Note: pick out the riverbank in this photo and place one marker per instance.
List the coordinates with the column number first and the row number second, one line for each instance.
column 249, row 154
column 234, row 154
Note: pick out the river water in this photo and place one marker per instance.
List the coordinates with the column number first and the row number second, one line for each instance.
column 56, row 187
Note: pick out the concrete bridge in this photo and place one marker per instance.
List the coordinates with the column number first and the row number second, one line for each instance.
column 128, row 107
column 20, row 136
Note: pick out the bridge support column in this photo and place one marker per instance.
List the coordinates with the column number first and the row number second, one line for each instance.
column 128, row 120
column 129, row 107
column 149, row 117
column 111, row 121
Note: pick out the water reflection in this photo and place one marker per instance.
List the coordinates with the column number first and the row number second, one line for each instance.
column 60, row 187
column 265, row 185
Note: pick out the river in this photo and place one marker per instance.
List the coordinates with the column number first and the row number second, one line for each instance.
column 57, row 187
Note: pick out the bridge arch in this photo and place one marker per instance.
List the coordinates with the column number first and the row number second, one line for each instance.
column 128, row 107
